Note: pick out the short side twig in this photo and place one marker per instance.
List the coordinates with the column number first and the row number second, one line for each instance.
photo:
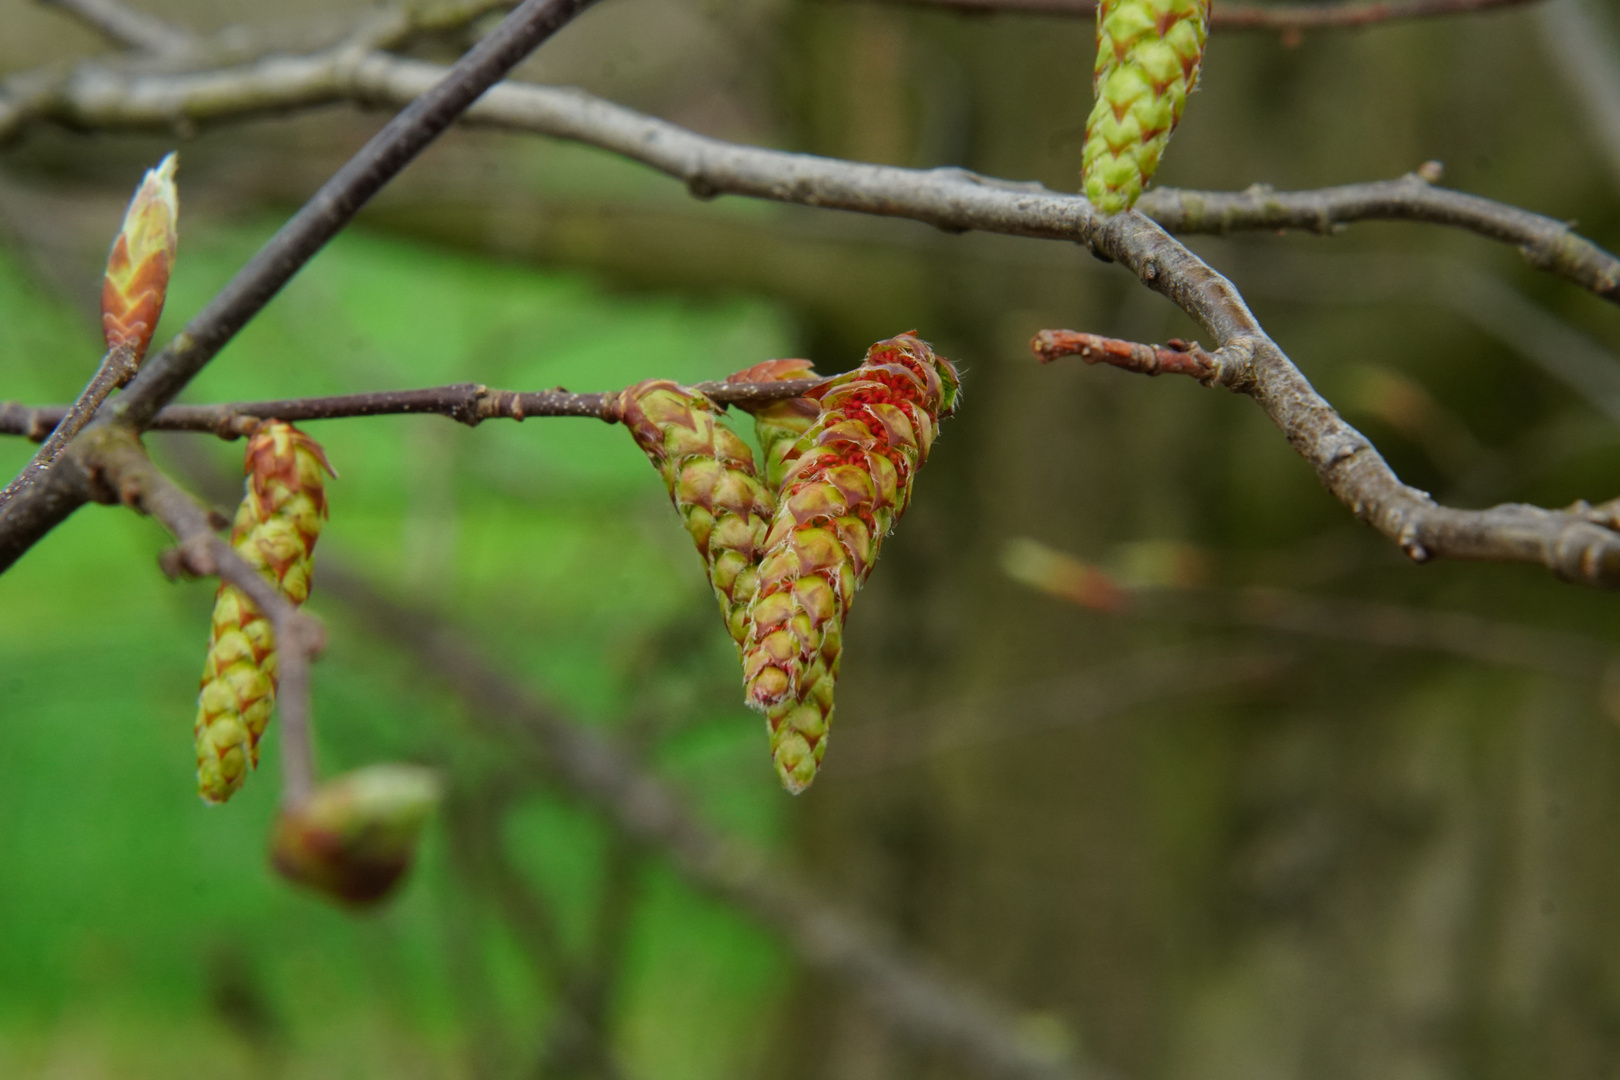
column 1177, row 357
column 116, row 368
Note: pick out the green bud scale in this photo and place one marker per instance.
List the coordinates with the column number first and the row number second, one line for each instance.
column 847, row 479
column 710, row 474
column 779, row 424
column 275, row 532
column 1148, row 56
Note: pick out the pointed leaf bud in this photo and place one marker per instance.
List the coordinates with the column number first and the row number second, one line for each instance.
column 354, row 838
column 137, row 277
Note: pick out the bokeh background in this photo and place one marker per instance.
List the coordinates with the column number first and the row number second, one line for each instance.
column 1194, row 838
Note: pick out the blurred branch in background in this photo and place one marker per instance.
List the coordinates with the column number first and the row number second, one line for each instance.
column 927, row 1009
column 1386, row 626
column 1581, row 44
column 126, row 26
column 1291, row 20
column 1092, row 696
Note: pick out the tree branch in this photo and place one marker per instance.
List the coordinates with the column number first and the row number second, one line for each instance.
column 1578, row 545
column 928, row 1009
column 1547, row 244
column 115, row 369
column 1581, row 544
column 1289, row 19
column 466, row 403
column 99, row 98
column 121, row 472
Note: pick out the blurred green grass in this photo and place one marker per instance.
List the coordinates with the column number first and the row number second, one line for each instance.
column 132, row 916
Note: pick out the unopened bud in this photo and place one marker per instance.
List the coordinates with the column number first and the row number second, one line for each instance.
column 137, row 278
column 355, row 837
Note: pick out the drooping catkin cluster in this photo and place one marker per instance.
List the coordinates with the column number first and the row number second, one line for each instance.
column 1148, row 56
column 275, row 532
column 711, row 478
column 846, row 480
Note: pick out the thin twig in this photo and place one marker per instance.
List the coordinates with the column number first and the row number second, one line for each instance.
column 126, row 26
column 121, row 472
column 928, row 1009
column 1176, row 357
column 1289, row 19
column 466, row 403
column 115, row 369
column 1548, row 244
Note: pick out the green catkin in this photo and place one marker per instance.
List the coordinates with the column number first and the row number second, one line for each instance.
column 1148, row 56
column 710, row 474
column 275, row 532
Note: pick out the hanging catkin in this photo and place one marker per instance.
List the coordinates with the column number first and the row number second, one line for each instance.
column 709, row 472
column 847, row 479
column 275, row 531
column 1148, row 56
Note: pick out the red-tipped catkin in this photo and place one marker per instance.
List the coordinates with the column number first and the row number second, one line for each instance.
column 848, row 478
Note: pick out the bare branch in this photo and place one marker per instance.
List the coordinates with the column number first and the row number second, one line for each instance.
column 125, row 26
column 115, row 369
column 121, row 472
column 1288, row 19
column 928, row 1009
column 1176, row 358
column 1581, row 544
column 951, row 199
column 1547, row 244
column 467, row 403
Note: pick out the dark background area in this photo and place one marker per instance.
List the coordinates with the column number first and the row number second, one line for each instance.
column 1174, row 841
